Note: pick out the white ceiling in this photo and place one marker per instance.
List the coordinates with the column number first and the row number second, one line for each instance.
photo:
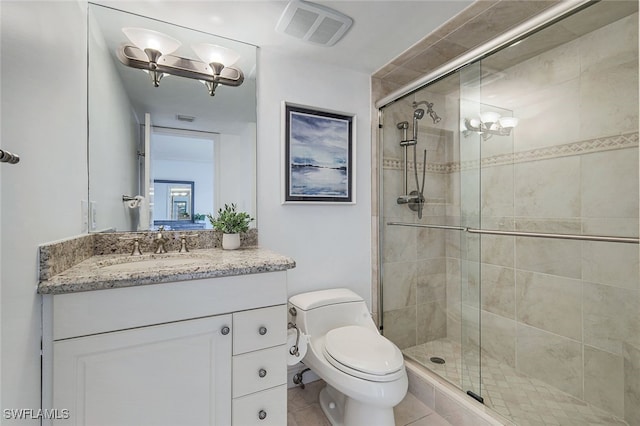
column 382, row 29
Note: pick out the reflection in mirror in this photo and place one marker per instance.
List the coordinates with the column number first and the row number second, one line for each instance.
column 173, row 204
column 125, row 157
column 188, row 158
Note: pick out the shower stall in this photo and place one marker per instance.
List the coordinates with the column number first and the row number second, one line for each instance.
column 508, row 245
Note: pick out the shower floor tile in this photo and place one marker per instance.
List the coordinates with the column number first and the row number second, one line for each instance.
column 519, row 398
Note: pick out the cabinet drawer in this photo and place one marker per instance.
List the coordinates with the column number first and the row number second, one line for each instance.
column 270, row 404
column 259, row 329
column 259, row 370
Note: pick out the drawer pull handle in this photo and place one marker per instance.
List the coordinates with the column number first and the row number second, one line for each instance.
column 262, row 372
column 262, row 415
column 225, row 330
column 262, row 330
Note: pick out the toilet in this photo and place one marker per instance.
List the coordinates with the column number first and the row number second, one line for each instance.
column 364, row 371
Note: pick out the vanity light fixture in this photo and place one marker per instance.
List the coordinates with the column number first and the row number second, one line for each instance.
column 152, row 52
column 154, row 44
column 489, row 124
column 218, row 58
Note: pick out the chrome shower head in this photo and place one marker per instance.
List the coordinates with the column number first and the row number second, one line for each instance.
column 417, row 115
column 430, row 110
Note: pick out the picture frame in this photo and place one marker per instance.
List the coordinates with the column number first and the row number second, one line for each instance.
column 319, row 155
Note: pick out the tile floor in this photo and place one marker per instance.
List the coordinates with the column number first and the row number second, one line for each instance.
column 304, row 410
column 523, row 400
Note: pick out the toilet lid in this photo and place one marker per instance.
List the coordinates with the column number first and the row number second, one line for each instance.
column 363, row 349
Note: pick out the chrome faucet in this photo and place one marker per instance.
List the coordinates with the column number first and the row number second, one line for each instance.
column 136, row 247
column 183, row 242
column 161, row 241
column 183, row 245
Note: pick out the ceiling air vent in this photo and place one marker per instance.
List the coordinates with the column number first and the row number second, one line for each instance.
column 182, row 117
column 313, row 23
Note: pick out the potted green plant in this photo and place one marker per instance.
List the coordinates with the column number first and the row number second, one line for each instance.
column 231, row 223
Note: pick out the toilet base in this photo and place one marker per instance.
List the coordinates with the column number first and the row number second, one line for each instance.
column 332, row 404
column 343, row 411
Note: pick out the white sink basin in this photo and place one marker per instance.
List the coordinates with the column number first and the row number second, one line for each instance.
column 152, row 261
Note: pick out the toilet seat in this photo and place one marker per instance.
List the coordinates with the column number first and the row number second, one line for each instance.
column 363, row 353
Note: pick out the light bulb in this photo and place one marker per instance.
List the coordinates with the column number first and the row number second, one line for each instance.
column 149, row 39
column 212, row 53
column 475, row 123
column 508, row 122
column 489, row 117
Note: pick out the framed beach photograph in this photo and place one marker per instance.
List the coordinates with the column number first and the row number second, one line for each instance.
column 319, row 155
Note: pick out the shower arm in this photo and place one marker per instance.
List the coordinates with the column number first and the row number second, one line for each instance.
column 434, row 116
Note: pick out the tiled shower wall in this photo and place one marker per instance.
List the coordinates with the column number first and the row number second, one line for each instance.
column 414, row 260
column 565, row 312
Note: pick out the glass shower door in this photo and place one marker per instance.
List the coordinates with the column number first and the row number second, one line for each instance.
column 470, row 217
column 429, row 269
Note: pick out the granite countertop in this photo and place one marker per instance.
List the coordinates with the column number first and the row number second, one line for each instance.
column 120, row 270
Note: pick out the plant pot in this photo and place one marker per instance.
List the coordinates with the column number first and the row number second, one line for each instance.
column 230, row 241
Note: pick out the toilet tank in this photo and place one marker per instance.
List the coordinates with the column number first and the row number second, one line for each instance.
column 321, row 311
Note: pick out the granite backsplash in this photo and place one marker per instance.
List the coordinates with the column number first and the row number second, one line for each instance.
column 58, row 256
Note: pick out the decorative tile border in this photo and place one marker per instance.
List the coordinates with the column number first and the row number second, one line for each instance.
column 628, row 140
column 397, row 164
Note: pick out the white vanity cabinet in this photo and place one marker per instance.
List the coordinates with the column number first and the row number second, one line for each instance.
column 202, row 352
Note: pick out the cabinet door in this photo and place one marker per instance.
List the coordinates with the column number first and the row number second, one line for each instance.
column 170, row 374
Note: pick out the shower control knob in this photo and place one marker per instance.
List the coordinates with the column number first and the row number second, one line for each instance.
column 262, row 415
column 225, row 330
column 262, row 372
column 262, row 330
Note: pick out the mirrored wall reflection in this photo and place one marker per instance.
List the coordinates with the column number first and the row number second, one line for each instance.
column 540, row 137
column 125, row 158
column 173, row 202
column 183, row 174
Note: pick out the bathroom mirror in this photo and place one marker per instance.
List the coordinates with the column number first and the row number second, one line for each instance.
column 189, row 135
